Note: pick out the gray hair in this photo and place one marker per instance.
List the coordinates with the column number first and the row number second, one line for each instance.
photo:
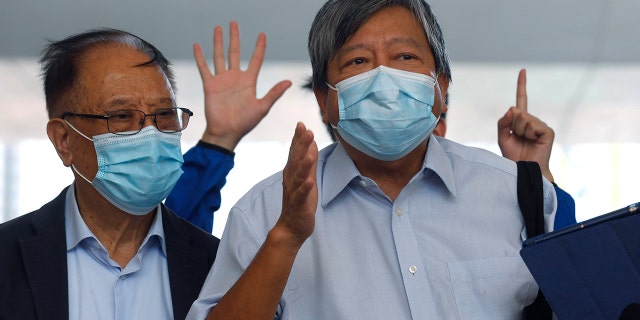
column 338, row 20
column 62, row 59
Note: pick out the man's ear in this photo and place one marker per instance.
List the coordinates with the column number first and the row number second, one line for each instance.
column 441, row 128
column 443, row 86
column 58, row 133
column 321, row 98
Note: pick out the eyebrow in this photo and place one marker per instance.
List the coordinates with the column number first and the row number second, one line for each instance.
column 123, row 101
column 404, row 40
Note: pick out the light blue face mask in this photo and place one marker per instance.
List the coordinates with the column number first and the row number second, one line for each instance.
column 136, row 172
column 385, row 113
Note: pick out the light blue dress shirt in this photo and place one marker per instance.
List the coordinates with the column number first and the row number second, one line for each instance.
column 446, row 248
column 100, row 289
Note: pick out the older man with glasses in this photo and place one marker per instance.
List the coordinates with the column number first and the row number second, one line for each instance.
column 106, row 247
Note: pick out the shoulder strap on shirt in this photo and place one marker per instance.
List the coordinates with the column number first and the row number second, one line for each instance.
column 531, row 203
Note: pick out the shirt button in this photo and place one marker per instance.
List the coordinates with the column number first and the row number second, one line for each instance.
column 363, row 183
column 413, row 269
column 398, row 211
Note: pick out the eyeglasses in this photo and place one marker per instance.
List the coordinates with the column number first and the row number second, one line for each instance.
column 128, row 122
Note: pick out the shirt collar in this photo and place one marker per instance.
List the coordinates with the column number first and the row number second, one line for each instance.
column 76, row 229
column 437, row 160
column 338, row 170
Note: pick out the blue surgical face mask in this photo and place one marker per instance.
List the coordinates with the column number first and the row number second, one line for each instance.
column 136, row 172
column 385, row 113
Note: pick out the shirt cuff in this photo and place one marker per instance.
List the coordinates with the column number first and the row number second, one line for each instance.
column 215, row 147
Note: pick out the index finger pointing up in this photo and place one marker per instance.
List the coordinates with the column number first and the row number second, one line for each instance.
column 521, row 91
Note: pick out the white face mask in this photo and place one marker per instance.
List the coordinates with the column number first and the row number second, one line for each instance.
column 385, row 113
column 136, row 172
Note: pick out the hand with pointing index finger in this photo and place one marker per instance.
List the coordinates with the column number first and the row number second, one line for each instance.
column 522, row 136
column 231, row 107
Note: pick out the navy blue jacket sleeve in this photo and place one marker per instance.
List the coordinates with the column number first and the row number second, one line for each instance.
column 197, row 193
column 566, row 213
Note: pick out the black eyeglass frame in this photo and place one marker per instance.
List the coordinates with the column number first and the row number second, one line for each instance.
column 128, row 133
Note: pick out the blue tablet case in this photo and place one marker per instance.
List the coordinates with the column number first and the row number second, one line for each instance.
column 590, row 270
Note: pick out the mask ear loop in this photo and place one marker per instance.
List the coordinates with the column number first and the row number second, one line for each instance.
column 77, row 131
column 80, row 174
column 445, row 101
column 336, row 90
column 84, row 136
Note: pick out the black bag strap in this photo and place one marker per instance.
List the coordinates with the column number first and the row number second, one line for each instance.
column 530, row 197
column 531, row 203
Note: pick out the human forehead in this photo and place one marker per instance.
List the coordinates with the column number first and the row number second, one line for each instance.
column 392, row 31
column 391, row 24
column 114, row 76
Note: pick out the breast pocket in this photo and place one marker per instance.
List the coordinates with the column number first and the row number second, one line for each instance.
column 495, row 288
